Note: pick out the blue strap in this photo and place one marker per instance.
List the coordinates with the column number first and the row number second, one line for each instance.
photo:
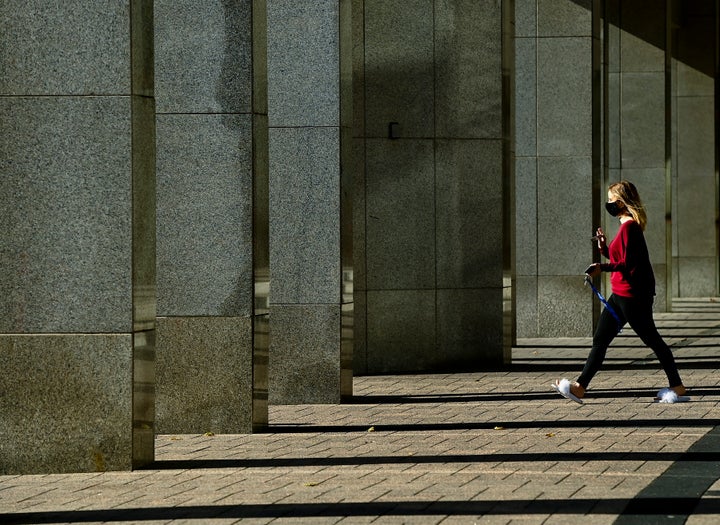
column 604, row 302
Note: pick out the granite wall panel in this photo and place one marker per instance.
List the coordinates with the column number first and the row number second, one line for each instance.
column 73, row 47
column 527, row 306
column 642, row 37
column 693, row 82
column 360, row 346
column 66, row 403
column 566, row 248
column 526, row 19
column 564, row 96
column 526, row 216
column 613, row 120
column 305, row 360
column 467, row 334
column 564, row 18
column 359, row 212
column 203, row 56
column 469, row 214
column 400, row 247
column 66, row 226
column 564, row 306
column 207, row 374
column 399, row 68
column 204, row 198
column 304, row 50
column 525, row 97
column 304, row 224
column 467, row 54
column 358, row 67
column 696, row 206
column 696, row 276
column 643, row 120
column 401, row 331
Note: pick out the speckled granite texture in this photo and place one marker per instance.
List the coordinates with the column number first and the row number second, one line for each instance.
column 304, row 221
column 203, row 56
column 66, row 225
column 66, row 403
column 204, row 191
column 73, row 47
column 211, row 212
column 305, row 354
column 204, row 375
column 303, row 55
column 309, row 88
column 77, row 236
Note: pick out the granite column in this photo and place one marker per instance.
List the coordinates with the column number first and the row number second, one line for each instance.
column 77, row 242
column 558, row 137
column 310, row 222
column 212, row 216
column 694, row 147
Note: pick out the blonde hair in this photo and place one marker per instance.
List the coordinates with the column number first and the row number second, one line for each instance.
column 627, row 193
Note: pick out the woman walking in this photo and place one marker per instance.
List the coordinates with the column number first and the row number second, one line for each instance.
column 633, row 291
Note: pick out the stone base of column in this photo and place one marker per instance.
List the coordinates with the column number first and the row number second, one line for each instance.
column 204, row 375
column 306, row 355
column 70, row 403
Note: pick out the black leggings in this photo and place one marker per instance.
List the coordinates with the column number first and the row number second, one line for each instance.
column 638, row 313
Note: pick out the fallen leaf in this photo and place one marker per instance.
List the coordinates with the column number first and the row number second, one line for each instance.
column 499, row 428
column 371, row 429
column 311, row 484
column 209, row 434
column 551, row 434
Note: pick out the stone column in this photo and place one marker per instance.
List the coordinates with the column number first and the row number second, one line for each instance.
column 695, row 236
column 310, row 223
column 77, row 297
column 637, row 118
column 212, row 182
column 556, row 164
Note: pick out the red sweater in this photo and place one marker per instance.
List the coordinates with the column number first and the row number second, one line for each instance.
column 630, row 262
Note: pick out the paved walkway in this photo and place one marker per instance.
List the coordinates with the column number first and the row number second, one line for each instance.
column 496, row 447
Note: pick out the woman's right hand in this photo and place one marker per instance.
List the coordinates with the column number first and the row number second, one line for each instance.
column 601, row 240
column 593, row 270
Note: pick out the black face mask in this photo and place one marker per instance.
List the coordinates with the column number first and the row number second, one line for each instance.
column 613, row 208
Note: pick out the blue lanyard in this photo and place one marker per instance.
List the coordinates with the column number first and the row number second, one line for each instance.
column 604, row 302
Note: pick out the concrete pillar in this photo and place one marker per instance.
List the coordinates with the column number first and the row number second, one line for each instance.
column 77, row 297
column 212, row 215
column 429, row 133
column 695, row 237
column 637, row 119
column 309, row 97
column 557, row 75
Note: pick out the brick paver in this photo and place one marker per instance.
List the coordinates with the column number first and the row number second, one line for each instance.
column 493, row 447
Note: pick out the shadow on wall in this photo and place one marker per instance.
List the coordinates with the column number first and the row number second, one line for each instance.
column 431, row 269
column 695, row 16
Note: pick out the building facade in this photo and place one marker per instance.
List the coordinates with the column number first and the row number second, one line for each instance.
column 212, row 206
